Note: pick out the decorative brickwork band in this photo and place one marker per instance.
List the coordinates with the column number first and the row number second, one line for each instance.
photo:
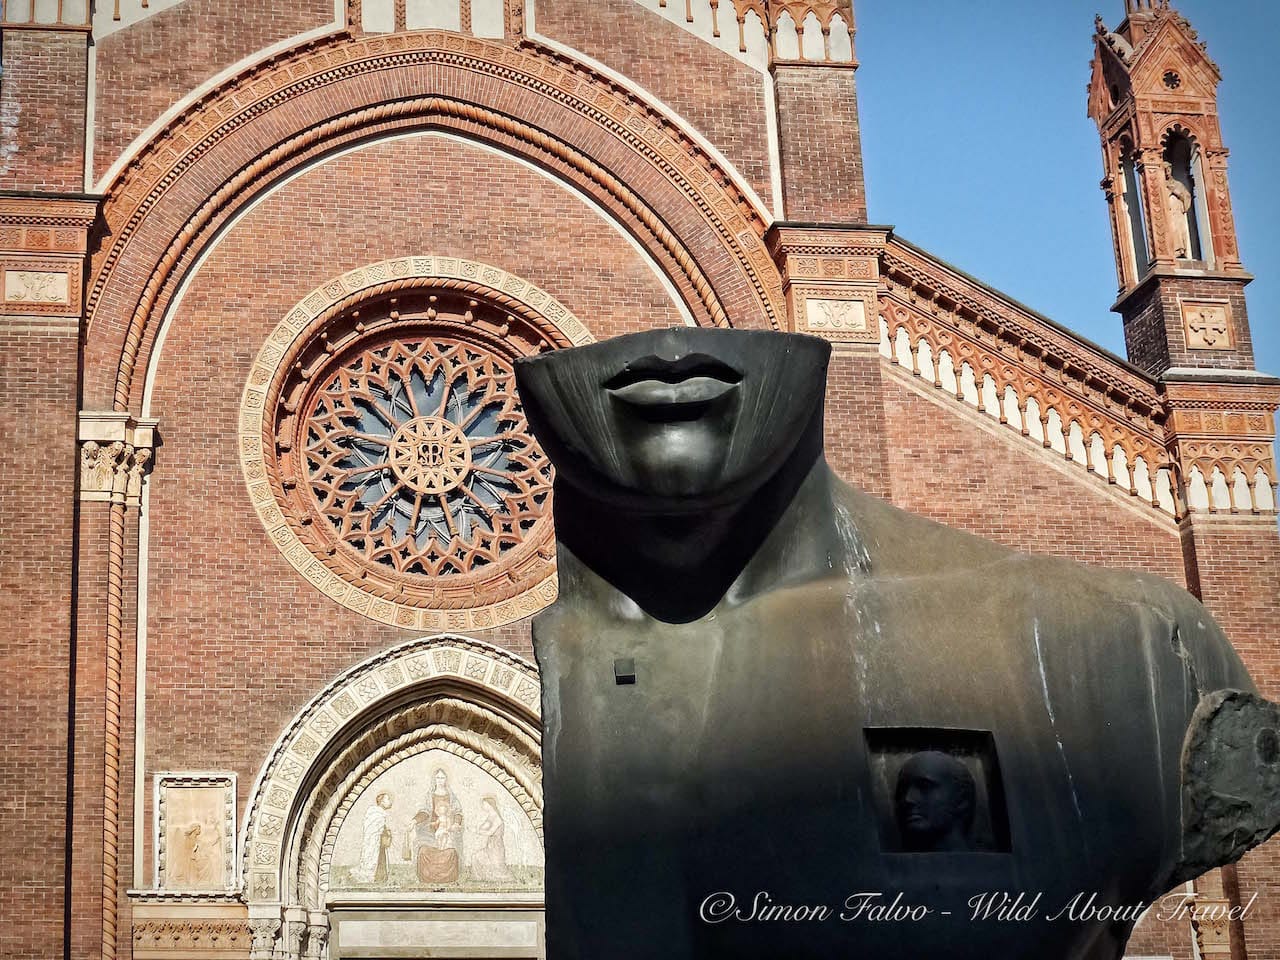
column 42, row 257
column 1221, row 436
column 831, row 279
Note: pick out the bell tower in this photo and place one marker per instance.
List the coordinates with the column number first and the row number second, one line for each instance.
column 1154, row 96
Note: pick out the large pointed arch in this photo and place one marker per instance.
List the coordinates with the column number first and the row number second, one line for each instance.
column 177, row 194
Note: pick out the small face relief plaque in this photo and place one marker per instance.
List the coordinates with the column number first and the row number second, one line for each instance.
column 937, row 790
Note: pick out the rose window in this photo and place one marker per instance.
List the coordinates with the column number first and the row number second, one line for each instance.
column 386, row 451
column 417, row 455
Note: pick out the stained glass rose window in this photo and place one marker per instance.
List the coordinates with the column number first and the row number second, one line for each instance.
column 386, row 450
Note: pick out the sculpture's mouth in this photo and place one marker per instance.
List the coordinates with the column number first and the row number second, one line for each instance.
column 658, row 382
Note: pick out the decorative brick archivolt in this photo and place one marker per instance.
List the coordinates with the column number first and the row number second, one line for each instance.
column 482, row 700
column 385, row 450
column 283, row 114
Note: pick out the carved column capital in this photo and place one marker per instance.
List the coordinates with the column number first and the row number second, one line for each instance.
column 265, row 930
column 116, row 454
column 317, row 939
column 1210, row 919
column 294, row 931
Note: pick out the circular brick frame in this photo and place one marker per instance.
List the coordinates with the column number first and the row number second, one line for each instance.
column 284, row 114
column 555, row 323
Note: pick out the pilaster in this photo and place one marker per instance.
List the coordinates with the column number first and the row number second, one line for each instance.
column 831, row 281
column 43, row 239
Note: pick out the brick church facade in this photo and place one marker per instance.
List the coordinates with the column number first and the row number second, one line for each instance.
column 271, row 690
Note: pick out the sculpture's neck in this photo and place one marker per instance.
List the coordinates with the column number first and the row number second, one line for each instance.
column 680, row 567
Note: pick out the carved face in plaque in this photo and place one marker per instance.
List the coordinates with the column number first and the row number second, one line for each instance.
column 934, row 802
column 695, row 416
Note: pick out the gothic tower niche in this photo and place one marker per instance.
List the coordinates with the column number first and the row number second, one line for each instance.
column 1153, row 95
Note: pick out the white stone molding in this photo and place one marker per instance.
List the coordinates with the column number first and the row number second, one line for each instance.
column 447, row 692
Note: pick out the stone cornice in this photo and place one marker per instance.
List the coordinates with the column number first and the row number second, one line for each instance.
column 49, row 210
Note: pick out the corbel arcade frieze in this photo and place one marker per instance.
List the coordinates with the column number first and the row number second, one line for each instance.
column 116, row 455
column 1221, row 436
column 1183, row 447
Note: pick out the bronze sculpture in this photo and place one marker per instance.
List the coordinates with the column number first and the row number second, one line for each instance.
column 745, row 658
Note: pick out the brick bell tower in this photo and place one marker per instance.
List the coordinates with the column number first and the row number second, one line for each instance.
column 1153, row 95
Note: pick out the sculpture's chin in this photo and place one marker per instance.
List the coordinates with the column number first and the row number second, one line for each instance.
column 679, row 460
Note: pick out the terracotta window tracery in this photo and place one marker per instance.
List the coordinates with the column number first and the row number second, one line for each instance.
column 386, row 451
column 418, row 456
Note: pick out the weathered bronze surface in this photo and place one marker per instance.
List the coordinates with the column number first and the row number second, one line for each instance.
column 762, row 684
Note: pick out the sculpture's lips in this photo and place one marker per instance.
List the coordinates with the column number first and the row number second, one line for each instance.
column 657, row 382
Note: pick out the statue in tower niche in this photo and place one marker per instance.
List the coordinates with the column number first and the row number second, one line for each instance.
column 784, row 719
column 1180, row 202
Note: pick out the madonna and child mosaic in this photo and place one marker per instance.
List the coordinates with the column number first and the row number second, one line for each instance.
column 436, row 822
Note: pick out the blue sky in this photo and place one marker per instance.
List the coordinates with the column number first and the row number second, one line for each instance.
column 978, row 147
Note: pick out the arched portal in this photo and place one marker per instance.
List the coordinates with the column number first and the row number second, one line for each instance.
column 403, row 802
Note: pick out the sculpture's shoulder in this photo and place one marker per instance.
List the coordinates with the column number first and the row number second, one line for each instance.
column 1093, row 603
column 898, row 542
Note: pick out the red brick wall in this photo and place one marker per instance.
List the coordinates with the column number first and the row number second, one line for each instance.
column 233, row 631
column 42, row 110
column 37, row 515
column 146, row 68
column 855, row 419
column 821, row 144
column 1155, row 937
column 721, row 97
column 1239, row 568
column 1001, row 487
column 1155, row 338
